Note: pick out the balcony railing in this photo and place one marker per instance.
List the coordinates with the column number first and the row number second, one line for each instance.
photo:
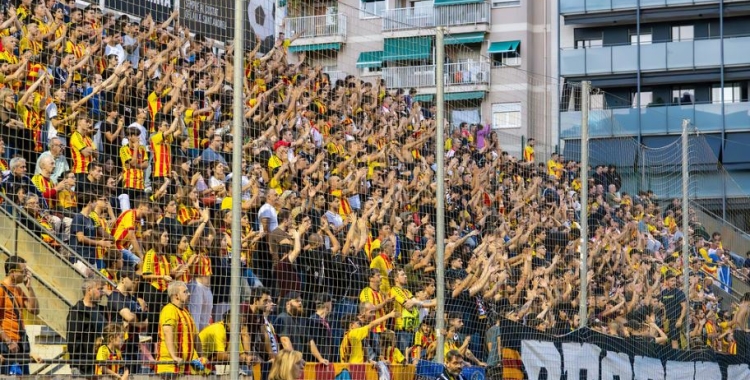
column 677, row 55
column 449, row 15
column 586, row 6
column 317, row 26
column 657, row 120
column 456, row 74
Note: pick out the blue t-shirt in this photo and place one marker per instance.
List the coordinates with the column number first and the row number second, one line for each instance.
column 82, row 223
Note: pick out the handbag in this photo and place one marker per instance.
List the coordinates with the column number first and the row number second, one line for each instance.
column 23, row 344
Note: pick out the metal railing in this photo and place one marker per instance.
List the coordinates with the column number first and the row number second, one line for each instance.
column 656, row 56
column 448, row 15
column 585, row 6
column 329, row 25
column 456, row 74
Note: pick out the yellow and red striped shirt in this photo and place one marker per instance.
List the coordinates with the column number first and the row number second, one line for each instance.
column 46, row 188
column 158, row 265
column 201, row 267
column 127, row 223
column 133, row 178
column 77, row 144
column 154, row 106
column 100, row 222
column 186, row 214
column 345, row 208
column 374, row 297
column 175, row 261
column 104, row 354
column 193, row 124
column 183, row 338
column 160, row 148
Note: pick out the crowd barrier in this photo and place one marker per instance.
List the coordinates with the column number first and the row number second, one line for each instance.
column 585, row 353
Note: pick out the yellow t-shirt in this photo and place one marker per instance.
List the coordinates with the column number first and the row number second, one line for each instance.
column 351, row 349
column 105, row 354
column 183, row 336
column 384, row 266
column 409, row 320
column 214, row 338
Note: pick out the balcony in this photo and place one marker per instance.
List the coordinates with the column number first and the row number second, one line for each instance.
column 329, row 28
column 657, row 120
column 663, row 56
column 587, row 6
column 462, row 18
column 459, row 77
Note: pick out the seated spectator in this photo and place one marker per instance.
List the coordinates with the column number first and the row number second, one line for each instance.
column 56, row 151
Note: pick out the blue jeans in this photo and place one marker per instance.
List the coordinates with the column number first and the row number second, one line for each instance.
column 404, row 340
column 130, row 258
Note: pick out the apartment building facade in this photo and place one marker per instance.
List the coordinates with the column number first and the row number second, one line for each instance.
column 499, row 66
column 658, row 62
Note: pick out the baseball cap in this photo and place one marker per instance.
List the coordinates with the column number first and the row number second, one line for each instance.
column 280, row 143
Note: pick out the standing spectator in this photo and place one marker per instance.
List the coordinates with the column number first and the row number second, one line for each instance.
column 382, row 303
column 292, row 326
column 127, row 231
column 125, row 308
column 14, row 301
column 353, row 349
column 407, row 306
column 675, row 310
column 528, row 151
column 82, row 147
column 161, row 147
column 179, row 341
column 134, row 161
column 214, row 341
column 267, row 214
column 258, row 342
column 321, row 334
column 86, row 321
column 114, row 336
column 213, row 152
column 202, row 299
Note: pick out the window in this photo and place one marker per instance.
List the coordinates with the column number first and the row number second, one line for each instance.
column 683, row 95
column 646, row 97
column 682, row 33
column 646, row 38
column 505, row 3
column 372, row 9
column 506, row 115
column 371, row 70
column 512, row 58
column 732, row 93
column 584, row 44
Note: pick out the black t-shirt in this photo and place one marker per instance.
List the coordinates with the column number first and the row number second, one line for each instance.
column 472, row 309
column 110, row 149
column 672, row 300
column 117, row 302
column 294, row 328
column 321, row 332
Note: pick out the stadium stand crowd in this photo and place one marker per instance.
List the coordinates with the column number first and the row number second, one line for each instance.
column 117, row 135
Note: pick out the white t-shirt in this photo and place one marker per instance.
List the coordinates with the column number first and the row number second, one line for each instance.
column 268, row 211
